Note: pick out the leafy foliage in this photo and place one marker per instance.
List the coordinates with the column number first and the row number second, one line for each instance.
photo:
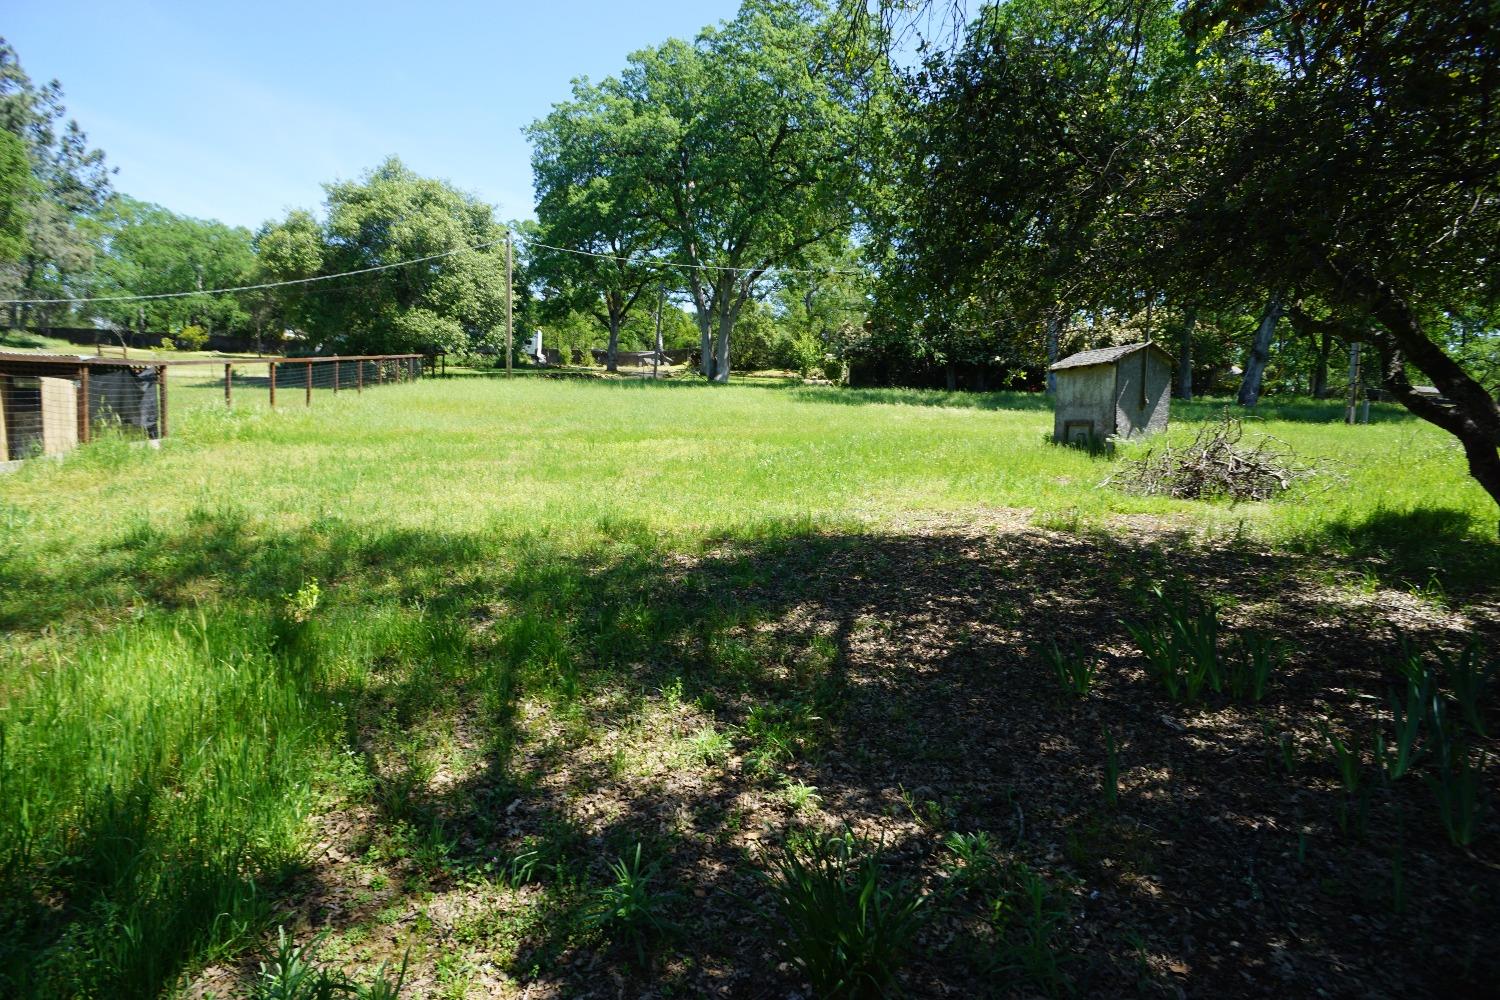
column 1182, row 651
column 1073, row 670
column 393, row 214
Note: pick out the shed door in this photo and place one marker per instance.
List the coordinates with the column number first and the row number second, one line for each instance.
column 1078, row 432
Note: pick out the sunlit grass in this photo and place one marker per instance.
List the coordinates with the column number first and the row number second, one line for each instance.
column 688, row 460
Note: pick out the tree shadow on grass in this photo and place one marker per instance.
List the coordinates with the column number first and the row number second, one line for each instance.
column 895, row 674
column 931, row 715
column 1294, row 409
column 1439, row 550
column 999, row 400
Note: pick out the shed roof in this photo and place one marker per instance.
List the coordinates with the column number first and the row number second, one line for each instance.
column 74, row 360
column 1104, row 356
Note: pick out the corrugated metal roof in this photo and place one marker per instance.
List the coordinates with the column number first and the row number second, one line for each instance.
column 74, row 360
column 1101, row 356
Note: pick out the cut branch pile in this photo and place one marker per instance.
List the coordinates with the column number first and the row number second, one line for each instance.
column 1214, row 465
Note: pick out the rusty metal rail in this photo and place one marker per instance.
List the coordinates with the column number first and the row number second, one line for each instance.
column 50, row 403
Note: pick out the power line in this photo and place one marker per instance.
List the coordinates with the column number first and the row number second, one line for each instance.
column 648, row 262
column 638, row 261
column 250, row 288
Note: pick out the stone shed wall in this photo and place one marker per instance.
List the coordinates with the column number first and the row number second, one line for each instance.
column 1085, row 394
column 1131, row 418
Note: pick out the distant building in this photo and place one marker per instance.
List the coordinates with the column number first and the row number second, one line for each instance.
column 1120, row 391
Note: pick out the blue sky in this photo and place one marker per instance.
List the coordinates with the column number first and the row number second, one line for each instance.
column 241, row 111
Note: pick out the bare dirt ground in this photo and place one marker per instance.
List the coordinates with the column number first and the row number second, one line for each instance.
column 890, row 683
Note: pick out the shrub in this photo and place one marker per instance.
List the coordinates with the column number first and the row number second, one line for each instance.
column 846, row 931
column 1181, row 647
column 1028, row 919
column 973, row 862
column 1438, row 717
column 190, row 338
column 294, row 973
column 1351, row 768
column 1247, row 675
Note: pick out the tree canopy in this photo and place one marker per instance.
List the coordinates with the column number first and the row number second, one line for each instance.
column 729, row 156
column 455, row 302
column 145, row 249
column 1338, row 163
column 53, row 208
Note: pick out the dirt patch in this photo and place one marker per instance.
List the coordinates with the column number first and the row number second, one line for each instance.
column 891, row 683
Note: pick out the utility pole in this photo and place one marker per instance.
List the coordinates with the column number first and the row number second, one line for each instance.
column 509, row 333
column 1349, row 414
column 656, row 358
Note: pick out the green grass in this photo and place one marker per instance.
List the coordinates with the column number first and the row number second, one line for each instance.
column 172, row 711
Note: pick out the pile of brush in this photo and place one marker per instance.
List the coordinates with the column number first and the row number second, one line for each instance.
column 1214, row 465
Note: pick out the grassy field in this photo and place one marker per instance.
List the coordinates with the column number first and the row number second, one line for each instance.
column 414, row 668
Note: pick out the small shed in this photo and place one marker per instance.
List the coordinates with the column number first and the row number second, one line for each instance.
column 1120, row 391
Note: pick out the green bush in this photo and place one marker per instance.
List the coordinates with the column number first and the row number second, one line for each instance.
column 1074, row 671
column 628, row 910
column 1181, row 647
column 190, row 338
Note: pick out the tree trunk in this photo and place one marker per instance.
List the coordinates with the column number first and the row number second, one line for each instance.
column 611, row 362
column 1353, row 399
column 979, row 385
column 950, row 373
column 703, row 313
column 721, row 345
column 1320, row 369
column 1054, row 330
column 1185, row 354
column 1260, row 351
column 1469, row 412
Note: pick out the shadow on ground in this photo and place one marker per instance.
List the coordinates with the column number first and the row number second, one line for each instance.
column 898, row 676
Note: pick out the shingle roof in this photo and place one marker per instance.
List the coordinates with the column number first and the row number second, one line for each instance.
column 1100, row 356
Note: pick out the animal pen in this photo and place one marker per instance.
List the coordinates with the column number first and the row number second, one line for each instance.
column 51, row 403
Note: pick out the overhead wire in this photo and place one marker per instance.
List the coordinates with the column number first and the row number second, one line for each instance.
column 251, row 288
column 638, row 261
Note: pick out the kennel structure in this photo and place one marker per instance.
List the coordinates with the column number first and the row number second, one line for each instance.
column 1123, row 391
column 50, row 403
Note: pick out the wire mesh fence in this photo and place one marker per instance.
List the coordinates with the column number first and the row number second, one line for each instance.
column 290, row 381
column 39, row 415
column 49, row 404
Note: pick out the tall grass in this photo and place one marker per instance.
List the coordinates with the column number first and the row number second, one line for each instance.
column 169, row 718
column 150, row 778
column 157, row 777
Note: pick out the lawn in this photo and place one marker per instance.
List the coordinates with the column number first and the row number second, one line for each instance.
column 411, row 669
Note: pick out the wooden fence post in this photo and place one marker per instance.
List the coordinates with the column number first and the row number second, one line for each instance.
column 161, row 401
column 307, row 382
column 335, row 377
column 83, row 404
column 228, row 375
column 272, row 366
column 359, row 376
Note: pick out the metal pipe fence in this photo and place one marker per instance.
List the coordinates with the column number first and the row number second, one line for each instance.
column 290, row 381
column 50, row 404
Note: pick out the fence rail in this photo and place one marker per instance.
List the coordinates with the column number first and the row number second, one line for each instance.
column 50, row 404
column 348, row 373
